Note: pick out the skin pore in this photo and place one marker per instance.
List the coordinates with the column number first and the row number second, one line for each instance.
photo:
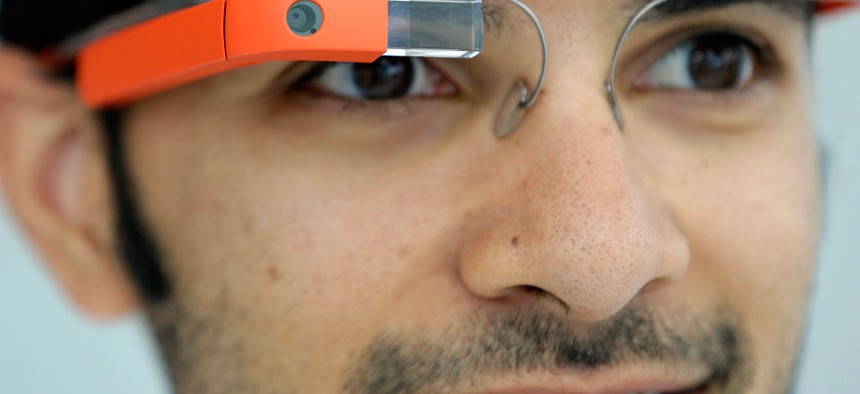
column 312, row 245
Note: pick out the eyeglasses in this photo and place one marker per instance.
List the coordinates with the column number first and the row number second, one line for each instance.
column 685, row 63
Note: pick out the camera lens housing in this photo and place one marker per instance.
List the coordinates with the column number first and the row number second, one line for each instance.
column 305, row 18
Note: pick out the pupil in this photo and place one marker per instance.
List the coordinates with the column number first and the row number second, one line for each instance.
column 716, row 62
column 385, row 79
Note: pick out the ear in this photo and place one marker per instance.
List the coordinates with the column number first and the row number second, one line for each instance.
column 54, row 173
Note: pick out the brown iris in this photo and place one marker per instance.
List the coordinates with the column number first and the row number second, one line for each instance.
column 385, row 79
column 718, row 62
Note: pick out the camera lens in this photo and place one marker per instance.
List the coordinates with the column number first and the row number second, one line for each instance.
column 305, row 18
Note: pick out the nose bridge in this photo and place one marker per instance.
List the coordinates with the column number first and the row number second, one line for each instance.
column 575, row 221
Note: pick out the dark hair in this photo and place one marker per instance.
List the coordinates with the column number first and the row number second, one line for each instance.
column 38, row 24
column 135, row 242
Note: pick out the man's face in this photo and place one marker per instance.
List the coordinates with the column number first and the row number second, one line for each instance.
column 316, row 244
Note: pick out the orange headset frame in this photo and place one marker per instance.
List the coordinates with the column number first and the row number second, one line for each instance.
column 828, row 7
column 222, row 35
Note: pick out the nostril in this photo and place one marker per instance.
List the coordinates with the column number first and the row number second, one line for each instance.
column 533, row 290
column 655, row 285
column 539, row 293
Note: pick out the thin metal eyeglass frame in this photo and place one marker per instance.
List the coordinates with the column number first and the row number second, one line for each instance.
column 611, row 85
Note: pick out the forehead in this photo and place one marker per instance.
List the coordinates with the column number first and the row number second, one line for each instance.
column 495, row 10
column 673, row 8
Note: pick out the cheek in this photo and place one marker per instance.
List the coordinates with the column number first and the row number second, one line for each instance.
column 750, row 207
column 296, row 256
column 758, row 223
column 748, row 200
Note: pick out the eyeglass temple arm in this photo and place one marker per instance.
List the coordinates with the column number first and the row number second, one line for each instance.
column 527, row 99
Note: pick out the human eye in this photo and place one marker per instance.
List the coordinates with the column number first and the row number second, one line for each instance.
column 710, row 62
column 388, row 79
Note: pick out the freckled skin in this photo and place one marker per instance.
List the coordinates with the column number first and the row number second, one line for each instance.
column 298, row 238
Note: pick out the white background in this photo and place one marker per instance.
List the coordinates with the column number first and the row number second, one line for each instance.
column 46, row 348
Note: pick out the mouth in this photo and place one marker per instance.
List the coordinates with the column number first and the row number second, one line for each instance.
column 703, row 388
column 639, row 386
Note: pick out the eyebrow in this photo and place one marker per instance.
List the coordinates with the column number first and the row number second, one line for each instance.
column 678, row 8
column 495, row 14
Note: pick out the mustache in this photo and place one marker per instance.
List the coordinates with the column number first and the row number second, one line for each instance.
column 538, row 340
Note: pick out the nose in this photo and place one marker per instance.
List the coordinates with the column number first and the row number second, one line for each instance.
column 573, row 217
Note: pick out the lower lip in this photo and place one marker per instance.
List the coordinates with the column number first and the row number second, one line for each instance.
column 701, row 389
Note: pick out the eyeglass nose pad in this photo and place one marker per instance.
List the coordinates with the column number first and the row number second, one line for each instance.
column 512, row 110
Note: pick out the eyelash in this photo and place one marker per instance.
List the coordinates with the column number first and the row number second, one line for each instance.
column 768, row 65
column 307, row 86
